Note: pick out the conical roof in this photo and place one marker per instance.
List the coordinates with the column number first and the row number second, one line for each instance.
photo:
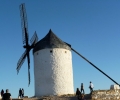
column 50, row 41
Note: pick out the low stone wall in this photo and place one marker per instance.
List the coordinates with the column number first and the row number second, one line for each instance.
column 106, row 95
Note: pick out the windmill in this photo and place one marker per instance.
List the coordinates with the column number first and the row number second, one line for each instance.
column 25, row 37
column 52, row 59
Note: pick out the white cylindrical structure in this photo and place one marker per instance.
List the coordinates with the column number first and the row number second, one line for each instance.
column 53, row 70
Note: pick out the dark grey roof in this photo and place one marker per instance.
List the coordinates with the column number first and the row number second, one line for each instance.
column 50, row 41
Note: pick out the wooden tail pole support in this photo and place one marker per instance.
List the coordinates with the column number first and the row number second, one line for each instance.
column 95, row 66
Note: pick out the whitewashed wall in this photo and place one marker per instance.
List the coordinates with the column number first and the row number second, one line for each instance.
column 114, row 86
column 53, row 72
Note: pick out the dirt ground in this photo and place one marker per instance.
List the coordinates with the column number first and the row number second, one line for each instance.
column 63, row 97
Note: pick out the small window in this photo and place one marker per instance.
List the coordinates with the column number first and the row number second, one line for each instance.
column 65, row 51
column 51, row 51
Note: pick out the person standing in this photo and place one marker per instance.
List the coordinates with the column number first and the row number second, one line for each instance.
column 78, row 93
column 22, row 92
column 7, row 95
column 82, row 88
column 91, row 87
column 2, row 92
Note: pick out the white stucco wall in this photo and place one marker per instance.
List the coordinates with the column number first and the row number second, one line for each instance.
column 53, row 72
column 114, row 86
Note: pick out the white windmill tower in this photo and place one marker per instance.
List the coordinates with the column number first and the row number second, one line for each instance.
column 52, row 62
column 52, row 66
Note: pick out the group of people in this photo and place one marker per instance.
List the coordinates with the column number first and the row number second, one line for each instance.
column 6, row 96
column 21, row 93
column 80, row 94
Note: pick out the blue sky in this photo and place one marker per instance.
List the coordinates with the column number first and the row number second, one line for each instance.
column 92, row 27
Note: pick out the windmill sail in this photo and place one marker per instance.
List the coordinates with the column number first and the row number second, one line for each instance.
column 21, row 61
column 34, row 39
column 25, row 37
column 24, row 23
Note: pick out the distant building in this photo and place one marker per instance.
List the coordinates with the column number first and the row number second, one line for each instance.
column 114, row 86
